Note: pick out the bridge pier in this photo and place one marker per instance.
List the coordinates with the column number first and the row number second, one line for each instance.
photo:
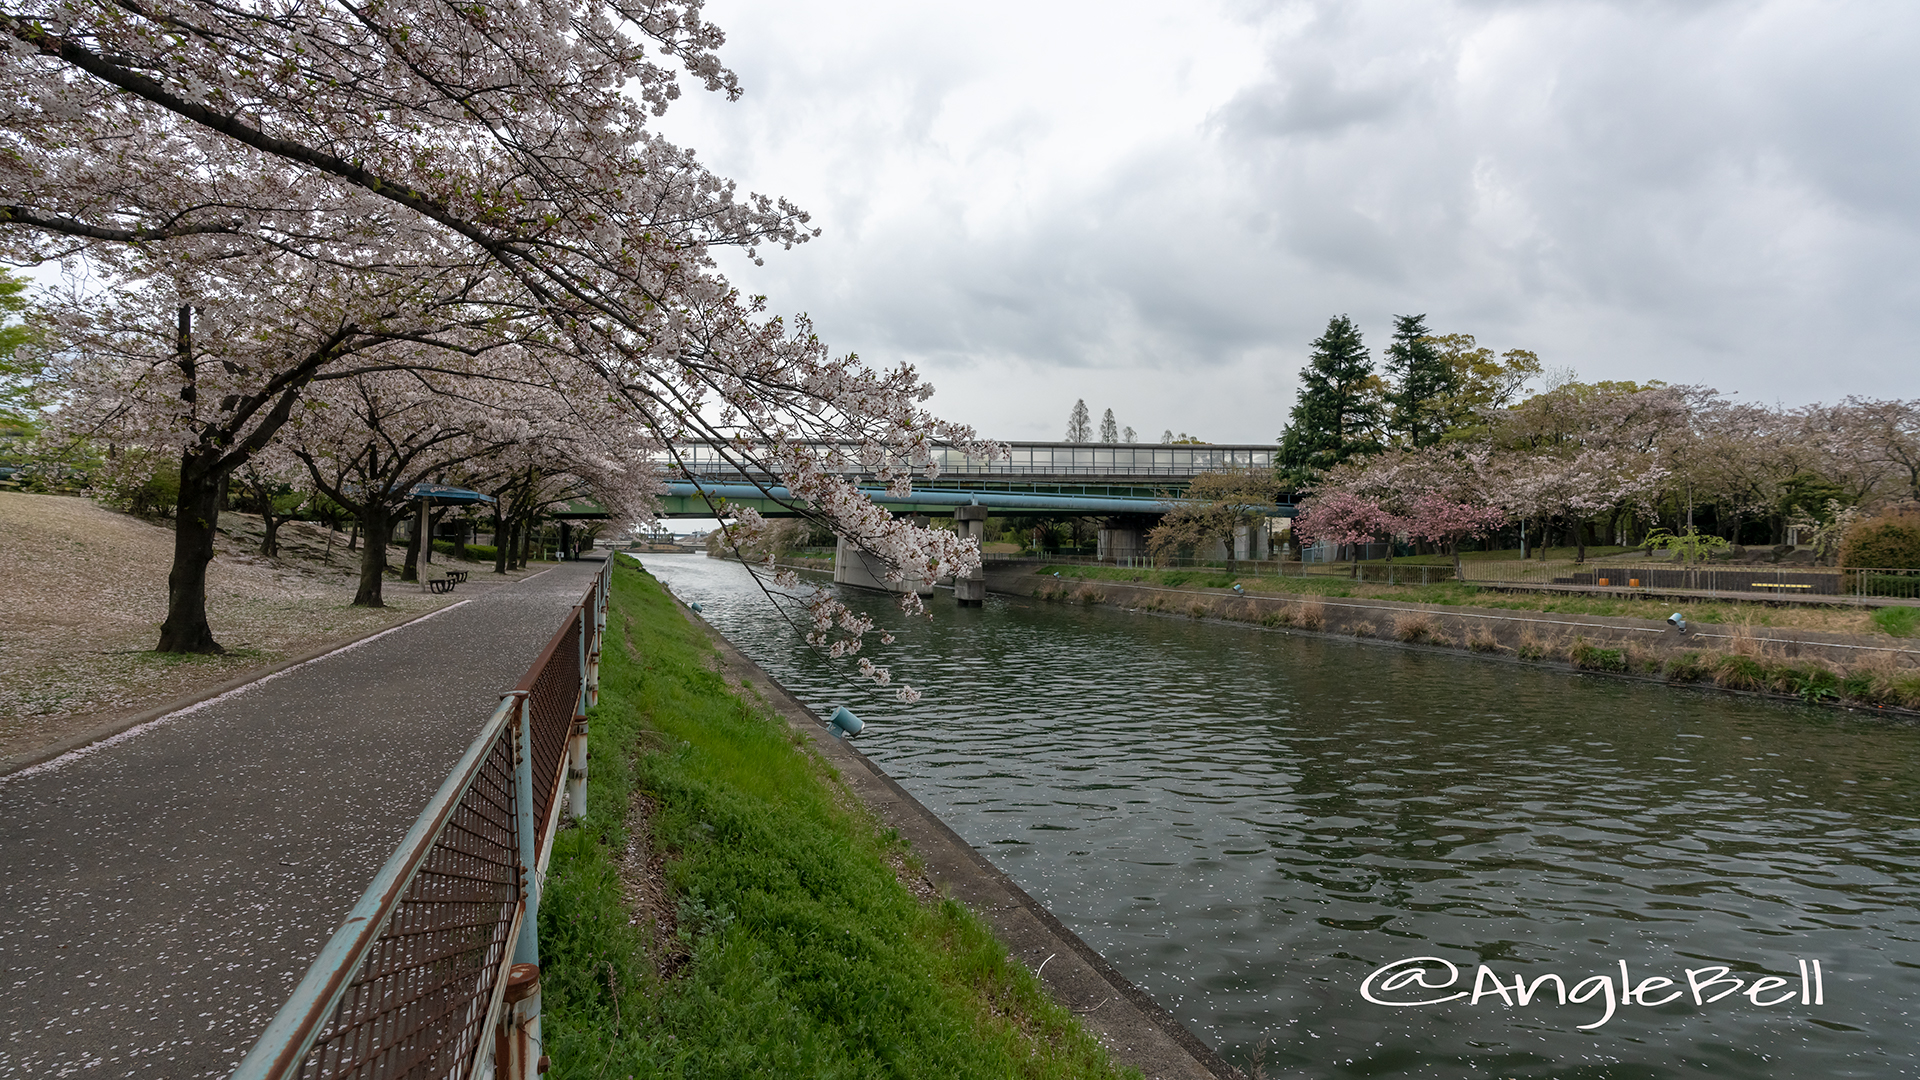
column 1250, row 542
column 1119, row 542
column 851, row 566
column 971, row 590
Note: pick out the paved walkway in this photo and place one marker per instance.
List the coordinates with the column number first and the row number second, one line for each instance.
column 161, row 895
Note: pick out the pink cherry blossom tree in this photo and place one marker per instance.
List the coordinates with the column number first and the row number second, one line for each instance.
column 1449, row 495
column 367, row 442
column 513, row 137
column 1343, row 517
column 207, row 361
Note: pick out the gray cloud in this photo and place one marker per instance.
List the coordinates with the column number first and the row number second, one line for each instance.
column 1718, row 193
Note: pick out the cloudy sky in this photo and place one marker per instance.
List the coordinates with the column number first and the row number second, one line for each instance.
column 1157, row 206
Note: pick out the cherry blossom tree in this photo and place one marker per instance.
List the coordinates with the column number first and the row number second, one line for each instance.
column 1345, row 518
column 1448, row 496
column 1576, row 489
column 513, row 135
column 1443, row 520
column 208, row 360
column 274, row 485
column 366, row 442
column 1438, row 494
column 1885, row 433
column 1583, row 450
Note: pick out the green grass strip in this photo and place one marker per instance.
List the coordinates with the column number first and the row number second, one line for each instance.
column 1898, row 621
column 1458, row 594
column 805, row 955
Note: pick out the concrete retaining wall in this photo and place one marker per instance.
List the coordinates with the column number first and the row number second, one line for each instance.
column 1527, row 635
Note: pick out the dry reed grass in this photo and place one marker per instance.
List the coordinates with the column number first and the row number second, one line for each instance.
column 1412, row 626
column 1480, row 639
column 1312, row 614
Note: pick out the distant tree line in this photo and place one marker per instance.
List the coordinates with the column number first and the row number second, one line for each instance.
column 1080, row 426
column 1448, row 441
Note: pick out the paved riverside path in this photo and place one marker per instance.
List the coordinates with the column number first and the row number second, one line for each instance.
column 161, row 895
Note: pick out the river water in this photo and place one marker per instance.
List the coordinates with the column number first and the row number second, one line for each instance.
column 1249, row 824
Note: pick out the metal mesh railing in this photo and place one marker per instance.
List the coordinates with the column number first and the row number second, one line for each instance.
column 416, row 1006
column 552, row 687
column 1399, row 573
column 413, row 982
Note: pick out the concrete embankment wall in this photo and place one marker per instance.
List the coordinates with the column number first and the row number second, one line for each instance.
column 1591, row 642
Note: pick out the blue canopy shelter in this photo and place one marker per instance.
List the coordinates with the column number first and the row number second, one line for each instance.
column 426, row 495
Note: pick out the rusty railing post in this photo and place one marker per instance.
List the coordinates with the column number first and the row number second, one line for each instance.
column 599, row 631
column 526, row 832
column 520, row 1033
column 577, row 735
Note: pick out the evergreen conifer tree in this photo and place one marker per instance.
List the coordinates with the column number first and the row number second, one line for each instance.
column 1337, row 411
column 1079, row 424
column 1424, row 383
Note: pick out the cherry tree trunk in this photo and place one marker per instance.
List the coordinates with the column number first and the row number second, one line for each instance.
column 270, row 540
column 410, row 570
column 195, row 517
column 500, row 539
column 373, row 560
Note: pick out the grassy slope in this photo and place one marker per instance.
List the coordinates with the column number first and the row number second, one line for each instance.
column 1456, row 594
column 808, row 958
column 1873, row 681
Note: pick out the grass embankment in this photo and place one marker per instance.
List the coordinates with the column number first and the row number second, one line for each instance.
column 1839, row 620
column 796, row 950
column 1746, row 663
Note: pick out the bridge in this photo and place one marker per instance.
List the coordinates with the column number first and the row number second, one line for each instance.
column 1129, row 484
column 1085, row 479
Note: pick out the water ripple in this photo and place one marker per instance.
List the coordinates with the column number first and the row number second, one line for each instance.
column 1248, row 823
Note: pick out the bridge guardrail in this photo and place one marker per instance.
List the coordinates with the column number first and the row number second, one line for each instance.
column 1029, row 458
column 435, row 971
